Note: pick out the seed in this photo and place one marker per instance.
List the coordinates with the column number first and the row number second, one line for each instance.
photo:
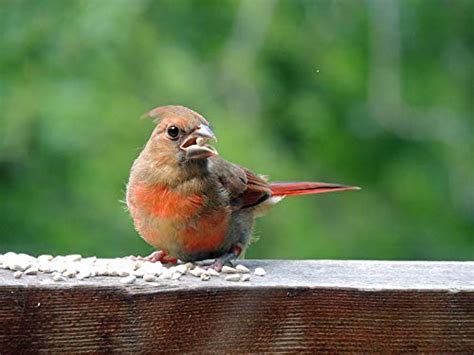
column 149, row 278
column 228, row 270
column 200, row 141
column 123, row 273
column 260, row 271
column 181, row 269
column 139, row 272
column 151, row 268
column 17, row 274
column 241, row 268
column 59, row 266
column 195, row 273
column 27, row 257
column 58, row 277
column 205, row 277
column 69, row 273
column 45, row 267
column 31, row 271
column 213, row 272
column 45, row 257
column 102, row 271
column 232, row 277
column 138, row 264
column 73, row 257
column 83, row 275
column 198, row 271
column 18, row 264
column 166, row 274
column 176, row 276
column 189, row 265
column 128, row 280
column 245, row 277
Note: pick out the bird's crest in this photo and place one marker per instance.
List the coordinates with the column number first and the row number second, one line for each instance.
column 159, row 113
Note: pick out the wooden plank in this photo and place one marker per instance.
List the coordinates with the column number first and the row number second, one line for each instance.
column 359, row 306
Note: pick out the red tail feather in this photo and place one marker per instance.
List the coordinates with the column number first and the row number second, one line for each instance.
column 306, row 188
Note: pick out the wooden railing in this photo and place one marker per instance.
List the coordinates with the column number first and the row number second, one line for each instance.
column 310, row 306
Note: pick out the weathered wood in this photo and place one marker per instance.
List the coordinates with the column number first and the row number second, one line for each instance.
column 358, row 306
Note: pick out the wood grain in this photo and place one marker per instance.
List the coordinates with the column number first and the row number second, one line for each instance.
column 307, row 306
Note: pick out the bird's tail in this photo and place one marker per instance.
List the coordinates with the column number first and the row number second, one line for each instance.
column 306, row 188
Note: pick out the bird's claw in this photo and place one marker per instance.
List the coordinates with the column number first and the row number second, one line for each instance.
column 232, row 255
column 159, row 255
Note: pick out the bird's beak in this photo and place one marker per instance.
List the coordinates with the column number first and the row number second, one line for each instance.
column 196, row 147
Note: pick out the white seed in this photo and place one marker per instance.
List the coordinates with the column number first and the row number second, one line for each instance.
column 200, row 141
column 58, row 277
column 17, row 274
column 83, row 275
column 213, row 272
column 59, row 266
column 128, row 280
column 9, row 254
column 260, row 271
column 45, row 267
column 102, row 271
column 69, row 273
column 27, row 257
column 176, row 276
column 154, row 284
column 31, row 271
column 245, row 277
column 19, row 265
column 195, row 273
column 58, row 258
column 151, row 268
column 123, row 273
column 73, row 257
column 205, row 277
column 139, row 272
column 45, row 257
column 189, row 265
column 228, row 270
column 198, row 271
column 241, row 268
column 232, row 277
column 166, row 274
column 181, row 268
column 19, row 262
column 149, row 278
column 90, row 259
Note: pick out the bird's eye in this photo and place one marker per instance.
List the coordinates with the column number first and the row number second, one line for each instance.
column 172, row 132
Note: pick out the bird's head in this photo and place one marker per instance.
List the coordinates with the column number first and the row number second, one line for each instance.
column 181, row 134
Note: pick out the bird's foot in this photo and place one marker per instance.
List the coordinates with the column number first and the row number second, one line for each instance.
column 233, row 254
column 159, row 255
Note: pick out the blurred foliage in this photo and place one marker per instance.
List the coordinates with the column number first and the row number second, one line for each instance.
column 377, row 94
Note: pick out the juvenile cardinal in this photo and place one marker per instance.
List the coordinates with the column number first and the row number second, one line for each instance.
column 191, row 204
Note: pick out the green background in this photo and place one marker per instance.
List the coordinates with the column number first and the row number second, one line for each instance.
column 377, row 94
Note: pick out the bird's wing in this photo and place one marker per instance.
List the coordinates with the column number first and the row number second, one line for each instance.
column 244, row 188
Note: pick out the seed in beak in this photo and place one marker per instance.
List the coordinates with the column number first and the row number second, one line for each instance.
column 201, row 141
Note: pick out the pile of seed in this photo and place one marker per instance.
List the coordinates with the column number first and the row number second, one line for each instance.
column 128, row 269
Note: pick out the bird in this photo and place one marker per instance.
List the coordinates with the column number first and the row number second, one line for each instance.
column 189, row 203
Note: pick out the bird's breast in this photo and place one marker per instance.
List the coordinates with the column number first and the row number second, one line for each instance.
column 177, row 222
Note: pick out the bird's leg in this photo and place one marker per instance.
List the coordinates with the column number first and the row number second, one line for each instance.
column 233, row 254
column 159, row 255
